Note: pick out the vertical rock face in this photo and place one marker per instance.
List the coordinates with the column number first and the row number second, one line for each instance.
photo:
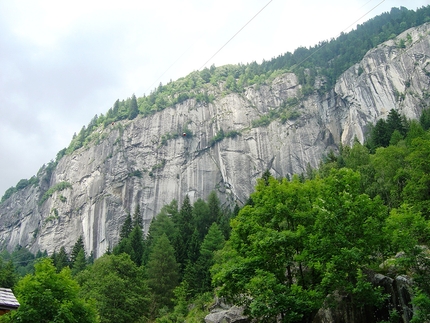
column 144, row 162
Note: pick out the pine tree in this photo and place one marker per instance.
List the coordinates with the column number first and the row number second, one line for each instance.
column 184, row 223
column 395, row 122
column 78, row 246
column 161, row 224
column 193, row 248
column 137, row 217
column 126, row 227
column 199, row 277
column 136, row 243
column 201, row 217
column 62, row 259
column 133, row 108
column 80, row 262
column 214, row 209
column 162, row 272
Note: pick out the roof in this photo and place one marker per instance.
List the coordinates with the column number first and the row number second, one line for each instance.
column 7, row 299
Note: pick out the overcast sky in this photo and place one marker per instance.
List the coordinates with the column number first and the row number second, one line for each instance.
column 63, row 62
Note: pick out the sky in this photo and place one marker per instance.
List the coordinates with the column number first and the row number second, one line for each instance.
column 62, row 62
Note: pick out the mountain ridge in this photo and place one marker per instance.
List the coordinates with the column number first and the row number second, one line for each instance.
column 225, row 144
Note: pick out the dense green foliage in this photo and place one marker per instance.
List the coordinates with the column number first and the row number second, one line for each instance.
column 295, row 246
column 48, row 296
column 8, row 277
column 21, row 260
column 118, row 287
column 302, row 240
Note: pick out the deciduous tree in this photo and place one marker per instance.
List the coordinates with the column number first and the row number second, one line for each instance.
column 48, row 296
column 118, row 287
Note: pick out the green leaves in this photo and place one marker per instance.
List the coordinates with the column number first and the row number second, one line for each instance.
column 48, row 296
column 300, row 241
column 118, row 287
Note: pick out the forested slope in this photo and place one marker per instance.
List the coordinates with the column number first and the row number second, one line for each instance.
column 329, row 179
column 219, row 138
column 350, row 237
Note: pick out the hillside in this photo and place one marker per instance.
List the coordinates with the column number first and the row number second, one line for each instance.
column 214, row 137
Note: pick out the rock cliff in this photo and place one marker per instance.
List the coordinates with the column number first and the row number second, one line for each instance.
column 142, row 162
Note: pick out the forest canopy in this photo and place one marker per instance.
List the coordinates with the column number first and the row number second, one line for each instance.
column 283, row 255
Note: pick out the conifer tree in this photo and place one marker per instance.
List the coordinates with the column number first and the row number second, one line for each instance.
column 198, row 275
column 80, row 262
column 133, row 108
column 201, row 218
column 214, row 209
column 161, row 224
column 137, row 217
column 62, row 259
column 78, row 246
column 126, row 227
column 136, row 243
column 162, row 272
column 184, row 223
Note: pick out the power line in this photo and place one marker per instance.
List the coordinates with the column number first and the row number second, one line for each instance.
column 249, row 21
column 180, row 56
column 316, row 51
column 235, row 34
column 171, row 65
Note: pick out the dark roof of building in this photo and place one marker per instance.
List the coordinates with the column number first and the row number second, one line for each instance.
column 7, row 299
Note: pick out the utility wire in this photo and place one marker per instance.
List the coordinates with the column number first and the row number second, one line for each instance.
column 174, row 63
column 316, row 51
column 171, row 65
column 235, row 34
column 180, row 56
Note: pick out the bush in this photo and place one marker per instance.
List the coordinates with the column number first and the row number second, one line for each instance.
column 57, row 187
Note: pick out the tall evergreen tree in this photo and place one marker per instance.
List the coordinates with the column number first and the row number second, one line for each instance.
column 198, row 275
column 201, row 218
column 80, row 262
column 161, row 224
column 62, row 259
column 133, row 108
column 162, row 272
column 78, row 246
column 395, row 122
column 126, row 227
column 184, row 223
column 136, row 243
column 137, row 217
column 214, row 208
